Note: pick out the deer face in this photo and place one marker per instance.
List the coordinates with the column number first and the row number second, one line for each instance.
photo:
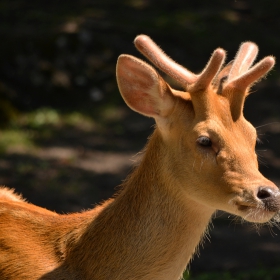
column 209, row 146
column 215, row 161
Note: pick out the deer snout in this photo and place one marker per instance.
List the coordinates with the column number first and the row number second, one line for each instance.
column 270, row 197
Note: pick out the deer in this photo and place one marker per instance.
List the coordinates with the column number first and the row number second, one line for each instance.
column 199, row 159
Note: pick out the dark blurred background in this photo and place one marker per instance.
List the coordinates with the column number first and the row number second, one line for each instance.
column 67, row 139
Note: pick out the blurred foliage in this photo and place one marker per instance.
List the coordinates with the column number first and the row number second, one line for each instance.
column 39, row 125
column 62, row 54
column 15, row 138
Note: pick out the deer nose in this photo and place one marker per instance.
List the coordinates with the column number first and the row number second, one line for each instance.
column 270, row 197
column 265, row 192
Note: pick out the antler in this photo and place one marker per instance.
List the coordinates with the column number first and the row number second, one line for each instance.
column 210, row 71
column 245, row 80
column 240, row 77
column 156, row 55
column 243, row 59
column 186, row 78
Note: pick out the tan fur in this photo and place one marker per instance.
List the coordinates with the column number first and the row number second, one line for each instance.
column 151, row 229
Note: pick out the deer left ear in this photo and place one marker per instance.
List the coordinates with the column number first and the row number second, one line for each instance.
column 142, row 88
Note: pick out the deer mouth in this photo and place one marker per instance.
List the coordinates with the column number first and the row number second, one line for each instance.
column 257, row 213
column 268, row 206
column 243, row 207
column 260, row 206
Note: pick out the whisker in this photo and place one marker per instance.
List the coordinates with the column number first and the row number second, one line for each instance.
column 257, row 127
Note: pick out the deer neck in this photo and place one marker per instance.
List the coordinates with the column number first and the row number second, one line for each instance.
column 152, row 225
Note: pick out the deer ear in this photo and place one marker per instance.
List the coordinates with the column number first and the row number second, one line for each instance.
column 141, row 87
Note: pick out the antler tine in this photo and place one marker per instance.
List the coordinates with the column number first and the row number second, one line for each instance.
column 153, row 52
column 243, row 60
column 211, row 69
column 253, row 75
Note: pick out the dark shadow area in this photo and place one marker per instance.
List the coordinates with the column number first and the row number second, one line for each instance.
column 62, row 188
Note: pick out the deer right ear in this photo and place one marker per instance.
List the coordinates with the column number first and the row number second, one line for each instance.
column 141, row 87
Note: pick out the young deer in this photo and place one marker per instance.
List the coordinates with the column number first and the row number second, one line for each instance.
column 200, row 158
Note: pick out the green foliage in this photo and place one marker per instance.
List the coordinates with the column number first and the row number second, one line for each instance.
column 15, row 138
column 41, row 124
column 45, row 117
column 41, row 118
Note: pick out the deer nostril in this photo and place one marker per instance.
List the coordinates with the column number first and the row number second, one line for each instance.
column 265, row 192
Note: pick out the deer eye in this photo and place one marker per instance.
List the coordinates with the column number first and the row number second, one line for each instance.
column 204, row 141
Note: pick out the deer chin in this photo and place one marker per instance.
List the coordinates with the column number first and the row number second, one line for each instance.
column 254, row 213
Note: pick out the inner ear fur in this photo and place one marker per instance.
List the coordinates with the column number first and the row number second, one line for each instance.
column 142, row 88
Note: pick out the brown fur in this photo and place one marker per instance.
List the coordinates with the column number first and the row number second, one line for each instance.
column 151, row 229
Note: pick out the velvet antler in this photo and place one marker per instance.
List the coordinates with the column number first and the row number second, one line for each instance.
column 234, row 86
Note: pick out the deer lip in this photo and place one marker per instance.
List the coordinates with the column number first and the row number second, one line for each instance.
column 256, row 213
column 242, row 207
column 246, row 206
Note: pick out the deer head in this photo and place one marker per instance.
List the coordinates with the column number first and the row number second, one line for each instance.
column 209, row 145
